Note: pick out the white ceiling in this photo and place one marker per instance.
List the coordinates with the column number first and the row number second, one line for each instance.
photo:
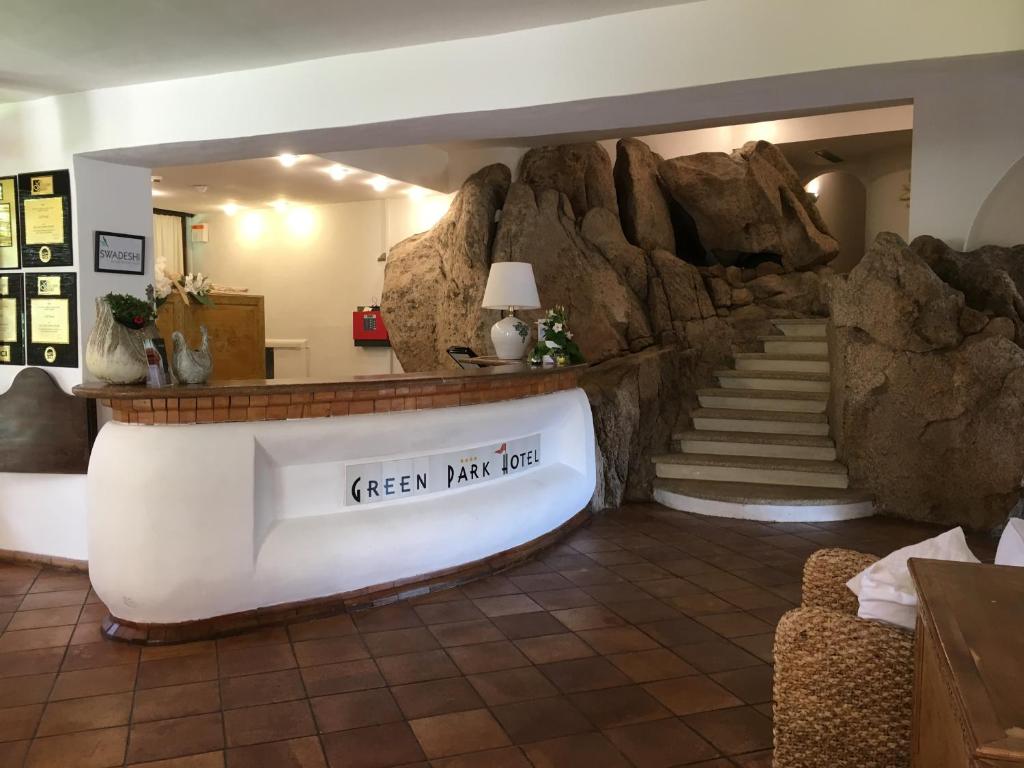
column 65, row 46
column 259, row 183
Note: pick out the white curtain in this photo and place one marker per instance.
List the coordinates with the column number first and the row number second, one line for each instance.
column 168, row 245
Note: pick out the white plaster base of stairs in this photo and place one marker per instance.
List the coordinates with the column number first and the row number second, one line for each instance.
column 752, row 502
column 759, row 448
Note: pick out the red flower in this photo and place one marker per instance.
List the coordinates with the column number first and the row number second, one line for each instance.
column 137, row 320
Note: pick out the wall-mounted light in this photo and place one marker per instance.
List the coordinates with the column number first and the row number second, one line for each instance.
column 230, row 208
column 812, row 187
column 338, row 172
column 287, row 160
column 380, row 183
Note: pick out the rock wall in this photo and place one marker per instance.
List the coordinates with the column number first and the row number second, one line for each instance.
column 602, row 241
column 928, row 387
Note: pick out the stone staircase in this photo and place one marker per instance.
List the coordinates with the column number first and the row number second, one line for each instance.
column 760, row 448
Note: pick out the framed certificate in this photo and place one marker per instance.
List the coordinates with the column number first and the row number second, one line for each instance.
column 12, row 319
column 44, row 219
column 51, row 319
column 10, row 253
column 124, row 254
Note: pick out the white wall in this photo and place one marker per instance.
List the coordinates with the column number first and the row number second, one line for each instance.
column 841, row 201
column 314, row 265
column 1000, row 220
column 968, row 131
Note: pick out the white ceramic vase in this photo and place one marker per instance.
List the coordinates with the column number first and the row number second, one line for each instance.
column 510, row 337
column 114, row 353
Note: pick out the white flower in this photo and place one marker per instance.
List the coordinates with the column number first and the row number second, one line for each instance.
column 558, row 327
column 568, row 334
column 162, row 285
column 552, row 345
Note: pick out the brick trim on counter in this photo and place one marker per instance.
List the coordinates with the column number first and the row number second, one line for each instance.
column 320, row 400
column 370, row 597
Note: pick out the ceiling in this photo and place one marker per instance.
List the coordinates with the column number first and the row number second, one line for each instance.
column 259, row 183
column 854, row 151
column 63, row 46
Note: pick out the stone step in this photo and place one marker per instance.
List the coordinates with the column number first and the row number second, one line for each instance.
column 809, row 447
column 763, row 400
column 768, row 422
column 768, row 503
column 751, row 469
column 760, row 361
column 813, row 328
column 794, row 345
column 774, row 380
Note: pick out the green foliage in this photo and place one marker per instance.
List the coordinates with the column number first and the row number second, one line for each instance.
column 557, row 339
column 130, row 311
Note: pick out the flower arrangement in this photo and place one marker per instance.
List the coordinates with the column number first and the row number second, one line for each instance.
column 129, row 311
column 556, row 340
column 191, row 287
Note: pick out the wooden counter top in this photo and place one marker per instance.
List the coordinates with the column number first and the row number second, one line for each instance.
column 267, row 399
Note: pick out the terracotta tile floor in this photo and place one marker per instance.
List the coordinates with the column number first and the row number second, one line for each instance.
column 644, row 640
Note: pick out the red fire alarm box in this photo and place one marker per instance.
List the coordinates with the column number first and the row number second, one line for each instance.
column 368, row 329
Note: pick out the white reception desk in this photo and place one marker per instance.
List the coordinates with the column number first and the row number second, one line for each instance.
column 217, row 508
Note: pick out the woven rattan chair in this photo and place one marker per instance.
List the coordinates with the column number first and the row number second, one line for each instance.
column 842, row 684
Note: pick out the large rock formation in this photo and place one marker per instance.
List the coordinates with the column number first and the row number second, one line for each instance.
column 926, row 393
column 606, row 315
column 583, row 172
column 434, row 282
column 641, row 315
column 991, row 278
column 646, row 219
column 636, row 401
column 750, row 202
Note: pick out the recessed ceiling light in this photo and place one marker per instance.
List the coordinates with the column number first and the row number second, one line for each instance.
column 338, row 172
column 416, row 192
column 279, row 205
column 156, row 179
column 287, row 160
column 200, row 188
column 380, row 183
column 230, row 209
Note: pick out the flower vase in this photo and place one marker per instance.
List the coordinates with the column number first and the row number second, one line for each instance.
column 114, row 353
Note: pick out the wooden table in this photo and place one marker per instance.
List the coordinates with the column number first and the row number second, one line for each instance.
column 969, row 665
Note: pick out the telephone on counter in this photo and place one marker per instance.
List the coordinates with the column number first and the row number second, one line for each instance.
column 463, row 356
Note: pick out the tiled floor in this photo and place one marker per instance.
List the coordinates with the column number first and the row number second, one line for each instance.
column 644, row 640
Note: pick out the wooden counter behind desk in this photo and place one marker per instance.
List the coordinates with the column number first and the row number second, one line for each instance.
column 270, row 399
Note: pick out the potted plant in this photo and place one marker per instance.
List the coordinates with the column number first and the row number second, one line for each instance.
column 114, row 352
column 554, row 341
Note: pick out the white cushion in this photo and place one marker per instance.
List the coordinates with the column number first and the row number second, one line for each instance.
column 885, row 588
column 1011, row 544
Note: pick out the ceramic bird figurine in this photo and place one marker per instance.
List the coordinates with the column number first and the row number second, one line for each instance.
column 191, row 366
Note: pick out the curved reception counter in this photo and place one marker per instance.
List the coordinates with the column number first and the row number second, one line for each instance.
column 222, row 507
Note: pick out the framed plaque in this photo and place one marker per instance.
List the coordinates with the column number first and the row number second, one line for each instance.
column 51, row 319
column 44, row 219
column 123, row 254
column 12, row 319
column 10, row 253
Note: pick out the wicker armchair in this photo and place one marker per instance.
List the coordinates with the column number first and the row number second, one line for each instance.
column 843, row 685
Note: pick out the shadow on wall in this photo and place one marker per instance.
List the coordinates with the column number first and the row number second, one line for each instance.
column 842, row 201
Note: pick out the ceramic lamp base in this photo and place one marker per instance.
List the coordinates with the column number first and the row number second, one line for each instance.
column 510, row 337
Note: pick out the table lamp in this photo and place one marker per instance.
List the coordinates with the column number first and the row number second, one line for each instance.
column 510, row 285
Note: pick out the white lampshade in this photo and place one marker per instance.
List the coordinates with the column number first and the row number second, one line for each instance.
column 511, row 284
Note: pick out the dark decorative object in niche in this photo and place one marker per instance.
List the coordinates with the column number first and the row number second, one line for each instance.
column 43, row 429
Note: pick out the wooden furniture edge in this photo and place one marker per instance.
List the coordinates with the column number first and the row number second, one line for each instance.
column 347, row 602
